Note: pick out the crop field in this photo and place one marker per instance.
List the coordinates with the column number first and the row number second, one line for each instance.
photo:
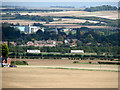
column 67, row 22
column 103, row 14
column 64, row 20
column 21, row 22
column 57, row 78
column 46, row 73
column 69, row 63
column 60, row 24
column 76, row 26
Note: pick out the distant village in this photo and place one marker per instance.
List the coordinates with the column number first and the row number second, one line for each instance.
column 28, row 29
column 47, row 43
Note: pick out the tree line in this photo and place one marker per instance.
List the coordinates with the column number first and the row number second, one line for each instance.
column 31, row 10
column 107, row 22
column 101, row 8
column 35, row 17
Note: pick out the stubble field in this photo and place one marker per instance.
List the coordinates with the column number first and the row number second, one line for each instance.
column 35, row 75
column 103, row 14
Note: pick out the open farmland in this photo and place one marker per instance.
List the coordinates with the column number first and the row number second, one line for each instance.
column 21, row 22
column 68, row 64
column 63, row 21
column 77, row 26
column 53, row 24
column 36, row 75
column 103, row 14
column 69, row 22
column 66, row 20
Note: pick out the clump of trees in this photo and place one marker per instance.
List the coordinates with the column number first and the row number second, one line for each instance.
column 10, row 33
column 107, row 22
column 35, row 18
column 101, row 8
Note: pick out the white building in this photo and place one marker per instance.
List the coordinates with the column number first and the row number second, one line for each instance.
column 66, row 29
column 33, row 51
column 29, row 29
column 77, row 51
column 56, row 30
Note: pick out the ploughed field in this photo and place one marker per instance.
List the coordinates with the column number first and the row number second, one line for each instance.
column 35, row 76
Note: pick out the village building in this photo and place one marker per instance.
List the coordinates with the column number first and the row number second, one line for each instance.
column 27, row 29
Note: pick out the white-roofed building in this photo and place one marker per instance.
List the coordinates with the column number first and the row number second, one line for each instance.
column 77, row 51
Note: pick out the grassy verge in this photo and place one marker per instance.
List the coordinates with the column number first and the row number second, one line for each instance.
column 74, row 69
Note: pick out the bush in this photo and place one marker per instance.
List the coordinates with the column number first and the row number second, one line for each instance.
column 90, row 62
column 13, row 62
column 25, row 62
column 19, row 63
column 75, row 62
column 116, row 63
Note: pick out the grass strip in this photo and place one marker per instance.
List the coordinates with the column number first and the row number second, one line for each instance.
column 75, row 69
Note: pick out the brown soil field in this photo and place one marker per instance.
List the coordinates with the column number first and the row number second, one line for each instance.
column 57, row 78
column 103, row 14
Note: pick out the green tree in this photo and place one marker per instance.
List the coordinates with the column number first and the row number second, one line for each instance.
column 60, row 38
column 5, row 50
column 71, row 41
column 90, row 38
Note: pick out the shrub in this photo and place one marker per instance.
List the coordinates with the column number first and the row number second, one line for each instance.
column 75, row 62
column 19, row 62
column 90, row 62
column 116, row 63
column 13, row 62
column 25, row 62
